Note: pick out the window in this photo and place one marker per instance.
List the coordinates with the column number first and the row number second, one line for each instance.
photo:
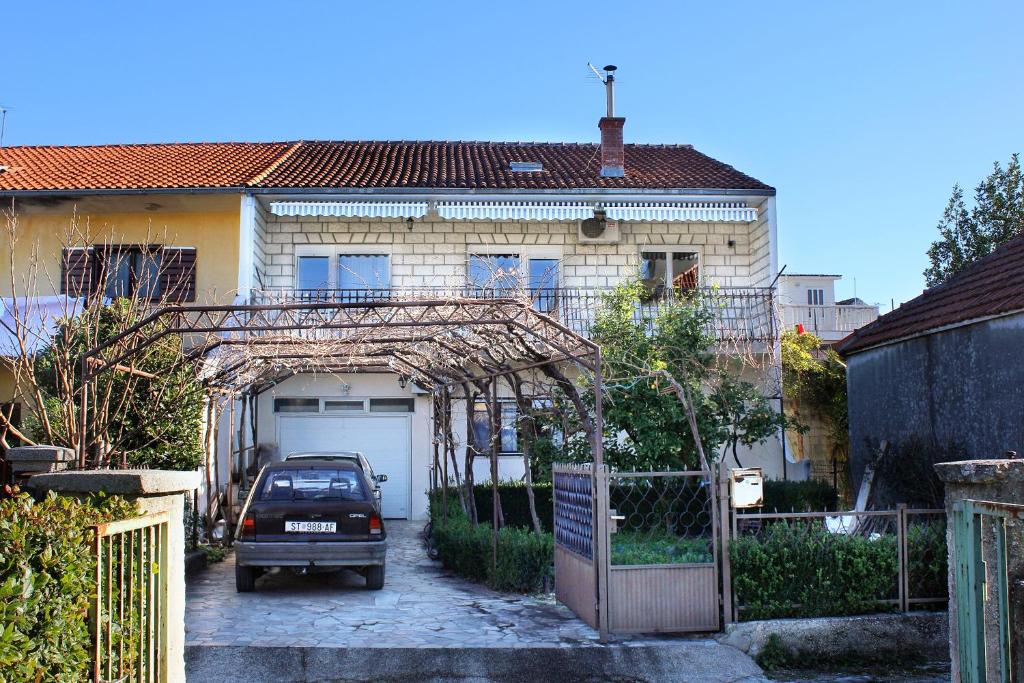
column 320, row 270
column 363, row 271
column 497, row 272
column 815, row 297
column 659, row 268
column 543, row 283
column 392, row 405
column 342, row 406
column 320, row 483
column 151, row 272
column 313, row 273
column 130, row 271
column 296, row 405
column 509, row 437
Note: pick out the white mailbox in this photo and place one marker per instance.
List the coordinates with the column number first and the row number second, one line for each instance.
column 746, row 487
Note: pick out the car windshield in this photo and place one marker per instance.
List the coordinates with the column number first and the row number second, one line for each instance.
column 321, row 483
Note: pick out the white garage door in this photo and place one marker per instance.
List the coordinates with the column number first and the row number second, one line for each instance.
column 383, row 440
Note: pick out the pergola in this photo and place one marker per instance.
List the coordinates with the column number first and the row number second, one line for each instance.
column 438, row 342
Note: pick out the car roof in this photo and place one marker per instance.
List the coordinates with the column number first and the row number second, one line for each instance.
column 343, row 463
column 312, row 455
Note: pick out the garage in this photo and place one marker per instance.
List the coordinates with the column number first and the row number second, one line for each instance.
column 384, row 440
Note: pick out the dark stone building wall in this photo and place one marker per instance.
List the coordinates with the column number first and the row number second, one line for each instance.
column 964, row 386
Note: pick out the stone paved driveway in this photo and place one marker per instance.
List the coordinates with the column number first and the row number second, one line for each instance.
column 421, row 605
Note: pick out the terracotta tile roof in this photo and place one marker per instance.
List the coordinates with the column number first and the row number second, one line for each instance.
column 132, row 167
column 992, row 286
column 343, row 165
column 486, row 165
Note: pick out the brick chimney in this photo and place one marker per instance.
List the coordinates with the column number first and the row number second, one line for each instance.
column 613, row 156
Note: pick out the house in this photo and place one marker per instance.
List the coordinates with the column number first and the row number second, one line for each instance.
column 810, row 300
column 273, row 223
column 944, row 367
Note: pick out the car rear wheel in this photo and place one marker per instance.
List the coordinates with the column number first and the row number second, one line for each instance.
column 245, row 579
column 374, row 577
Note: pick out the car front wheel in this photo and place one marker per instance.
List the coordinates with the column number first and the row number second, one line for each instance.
column 245, row 579
column 374, row 577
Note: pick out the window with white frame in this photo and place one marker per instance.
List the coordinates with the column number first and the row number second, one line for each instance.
column 815, row 297
column 317, row 269
column 502, row 273
column 508, row 440
column 668, row 270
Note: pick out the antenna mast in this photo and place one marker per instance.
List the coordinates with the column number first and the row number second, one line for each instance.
column 608, row 78
column 3, row 124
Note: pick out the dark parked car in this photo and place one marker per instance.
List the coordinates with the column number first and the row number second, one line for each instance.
column 354, row 456
column 311, row 513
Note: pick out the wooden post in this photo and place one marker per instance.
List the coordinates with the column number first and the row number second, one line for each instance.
column 724, row 526
column 445, row 422
column 229, row 512
column 901, row 551
column 601, row 531
column 495, row 423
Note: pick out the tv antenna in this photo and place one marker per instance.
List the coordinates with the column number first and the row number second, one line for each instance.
column 3, row 124
column 608, row 78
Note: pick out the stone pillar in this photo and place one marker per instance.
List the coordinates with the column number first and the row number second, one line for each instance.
column 998, row 481
column 28, row 460
column 154, row 491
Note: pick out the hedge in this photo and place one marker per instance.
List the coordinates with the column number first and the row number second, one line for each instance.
column 803, row 570
column 47, row 578
column 799, row 496
column 525, row 560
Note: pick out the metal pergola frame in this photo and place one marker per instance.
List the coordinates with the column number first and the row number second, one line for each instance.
column 437, row 342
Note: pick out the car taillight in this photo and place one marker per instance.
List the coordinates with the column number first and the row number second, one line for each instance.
column 248, row 529
column 375, row 524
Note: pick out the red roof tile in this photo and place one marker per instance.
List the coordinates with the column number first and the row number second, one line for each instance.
column 343, row 165
column 992, row 286
column 134, row 167
column 486, row 165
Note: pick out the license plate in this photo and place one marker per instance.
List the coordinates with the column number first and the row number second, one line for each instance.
column 310, row 527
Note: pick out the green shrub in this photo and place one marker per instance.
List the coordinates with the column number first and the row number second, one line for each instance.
column 524, row 559
column 47, row 578
column 927, row 559
column 639, row 547
column 799, row 496
column 515, row 505
column 802, row 570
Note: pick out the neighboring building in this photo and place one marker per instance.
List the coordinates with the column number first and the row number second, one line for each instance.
column 810, row 300
column 946, row 367
column 342, row 221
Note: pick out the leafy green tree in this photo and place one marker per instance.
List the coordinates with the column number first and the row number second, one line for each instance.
column 814, row 375
column 152, row 420
column 968, row 235
column 640, row 354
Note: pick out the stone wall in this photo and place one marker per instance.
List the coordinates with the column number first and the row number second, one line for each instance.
column 434, row 252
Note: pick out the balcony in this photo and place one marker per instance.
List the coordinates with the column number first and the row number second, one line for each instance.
column 741, row 314
column 830, row 323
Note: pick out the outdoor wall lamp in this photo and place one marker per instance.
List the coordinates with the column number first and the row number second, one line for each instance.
column 402, row 381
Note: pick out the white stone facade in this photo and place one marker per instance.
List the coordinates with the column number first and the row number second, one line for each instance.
column 431, row 252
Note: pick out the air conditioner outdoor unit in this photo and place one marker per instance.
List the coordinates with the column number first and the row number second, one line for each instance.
column 598, row 230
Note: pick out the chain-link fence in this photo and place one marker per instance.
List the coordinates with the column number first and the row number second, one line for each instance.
column 832, row 564
column 661, row 518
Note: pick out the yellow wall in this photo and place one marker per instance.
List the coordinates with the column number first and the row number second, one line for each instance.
column 6, row 384
column 207, row 222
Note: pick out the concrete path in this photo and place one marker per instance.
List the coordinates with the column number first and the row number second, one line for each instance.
column 426, row 624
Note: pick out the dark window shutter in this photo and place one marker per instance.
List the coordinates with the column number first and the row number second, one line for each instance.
column 76, row 271
column 178, row 274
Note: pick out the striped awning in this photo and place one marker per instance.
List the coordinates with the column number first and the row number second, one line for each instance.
column 662, row 212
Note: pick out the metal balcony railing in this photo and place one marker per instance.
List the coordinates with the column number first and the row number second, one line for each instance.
column 740, row 313
column 828, row 320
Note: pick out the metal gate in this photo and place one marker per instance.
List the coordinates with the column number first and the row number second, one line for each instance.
column 988, row 603
column 637, row 552
column 578, row 559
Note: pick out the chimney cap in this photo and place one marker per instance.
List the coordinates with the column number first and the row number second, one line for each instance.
column 610, row 67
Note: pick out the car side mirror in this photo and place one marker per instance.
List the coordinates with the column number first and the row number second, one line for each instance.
column 381, row 478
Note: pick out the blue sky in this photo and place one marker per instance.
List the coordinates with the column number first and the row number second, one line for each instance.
column 862, row 114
